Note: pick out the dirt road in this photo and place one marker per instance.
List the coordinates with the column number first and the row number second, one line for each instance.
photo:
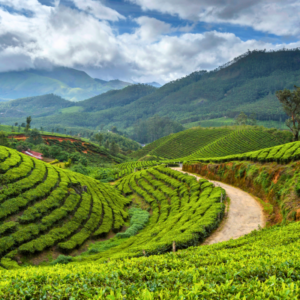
column 244, row 215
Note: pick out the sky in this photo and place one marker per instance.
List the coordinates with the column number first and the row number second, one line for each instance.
column 141, row 40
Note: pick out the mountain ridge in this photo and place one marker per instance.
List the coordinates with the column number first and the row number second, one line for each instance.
column 248, row 84
column 69, row 83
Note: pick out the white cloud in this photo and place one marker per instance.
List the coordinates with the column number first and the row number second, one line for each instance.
column 280, row 17
column 155, row 51
column 98, row 10
column 151, row 29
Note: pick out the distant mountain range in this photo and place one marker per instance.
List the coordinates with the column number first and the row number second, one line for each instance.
column 68, row 83
column 155, row 84
column 248, row 84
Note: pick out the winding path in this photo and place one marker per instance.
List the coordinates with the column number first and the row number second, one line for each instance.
column 244, row 214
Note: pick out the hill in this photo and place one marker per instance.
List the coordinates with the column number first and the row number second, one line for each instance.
column 213, row 142
column 69, row 83
column 43, row 206
column 263, row 264
column 52, row 110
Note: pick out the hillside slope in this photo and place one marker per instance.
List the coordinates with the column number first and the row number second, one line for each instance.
column 261, row 265
column 52, row 110
column 42, row 206
column 213, row 142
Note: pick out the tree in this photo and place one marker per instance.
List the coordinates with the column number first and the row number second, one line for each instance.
column 42, row 129
column 16, row 124
column 114, row 129
column 106, row 144
column 114, row 148
column 290, row 101
column 35, row 137
column 252, row 119
column 99, row 138
column 28, row 121
column 241, row 119
column 3, row 139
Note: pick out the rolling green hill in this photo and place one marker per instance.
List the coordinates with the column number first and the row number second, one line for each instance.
column 66, row 82
column 260, row 265
column 43, row 206
column 201, row 142
column 52, row 110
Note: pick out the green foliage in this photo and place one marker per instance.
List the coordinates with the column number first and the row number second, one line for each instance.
column 183, row 210
column 290, row 101
column 3, row 140
column 282, row 154
column 35, row 137
column 200, row 142
column 52, row 206
column 240, row 141
column 260, row 265
column 138, row 220
column 62, row 259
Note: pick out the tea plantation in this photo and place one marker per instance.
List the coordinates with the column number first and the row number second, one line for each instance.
column 213, row 142
column 262, row 265
column 42, row 206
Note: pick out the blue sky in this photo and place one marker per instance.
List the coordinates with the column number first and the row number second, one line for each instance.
column 141, row 40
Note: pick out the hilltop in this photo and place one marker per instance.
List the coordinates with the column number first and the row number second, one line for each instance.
column 212, row 142
column 52, row 110
column 69, row 83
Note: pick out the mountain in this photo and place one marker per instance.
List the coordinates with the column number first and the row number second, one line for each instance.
column 51, row 109
column 247, row 84
column 155, row 84
column 39, row 106
column 69, row 83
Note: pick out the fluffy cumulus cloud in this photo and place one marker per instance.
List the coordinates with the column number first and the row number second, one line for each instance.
column 272, row 16
column 83, row 35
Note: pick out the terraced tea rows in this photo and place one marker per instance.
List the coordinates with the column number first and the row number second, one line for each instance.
column 184, row 210
column 281, row 154
column 130, row 167
column 186, row 142
column 148, row 148
column 239, row 141
column 262, row 265
column 42, row 206
column 214, row 142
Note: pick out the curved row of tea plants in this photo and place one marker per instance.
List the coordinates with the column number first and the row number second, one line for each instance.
column 130, row 167
column 188, row 141
column 149, row 147
column 264, row 264
column 183, row 210
column 42, row 206
column 282, row 154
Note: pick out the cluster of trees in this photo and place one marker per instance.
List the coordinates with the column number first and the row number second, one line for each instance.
column 147, row 131
column 290, row 101
column 243, row 119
